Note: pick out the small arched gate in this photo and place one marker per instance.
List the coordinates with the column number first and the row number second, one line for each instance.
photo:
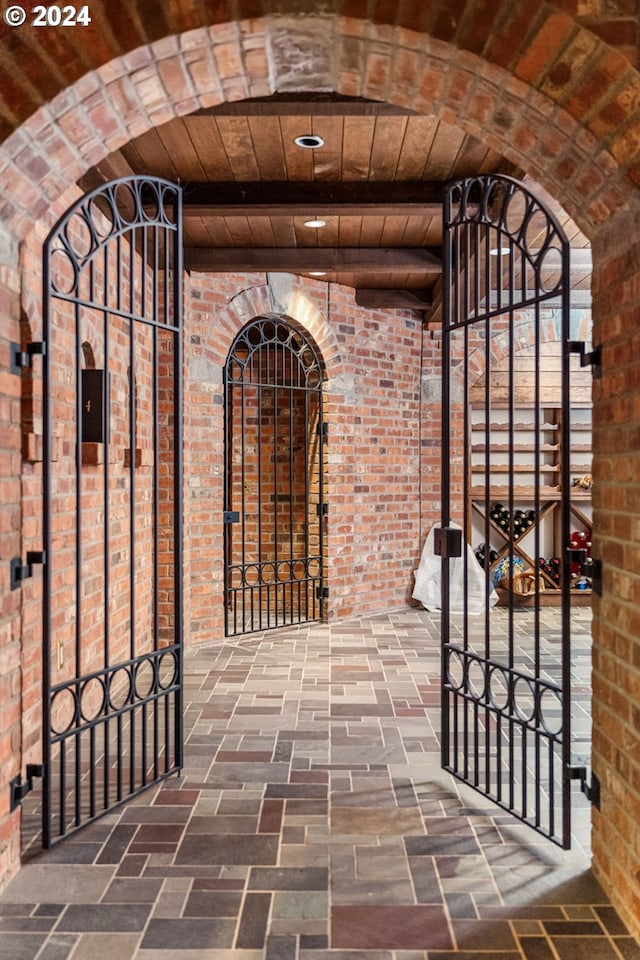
column 274, row 478
column 112, row 417
column 507, row 458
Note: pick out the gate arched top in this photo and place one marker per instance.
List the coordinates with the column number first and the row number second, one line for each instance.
column 305, row 368
column 105, row 214
column 525, row 240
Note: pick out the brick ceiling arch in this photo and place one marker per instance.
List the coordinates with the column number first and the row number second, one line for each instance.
column 528, row 98
column 39, row 63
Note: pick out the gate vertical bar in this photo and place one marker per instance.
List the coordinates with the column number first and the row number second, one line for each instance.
column 565, row 467
column 106, row 504
column 132, row 475
column 47, row 786
column 321, row 544
column 229, row 594
column 155, row 404
column 450, row 276
column 178, row 375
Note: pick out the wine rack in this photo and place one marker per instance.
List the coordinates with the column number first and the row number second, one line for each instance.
column 529, row 452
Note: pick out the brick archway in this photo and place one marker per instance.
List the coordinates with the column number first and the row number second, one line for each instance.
column 523, row 109
column 290, row 297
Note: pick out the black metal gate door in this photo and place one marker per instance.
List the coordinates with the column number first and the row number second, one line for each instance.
column 112, row 413
column 274, row 475
column 505, row 473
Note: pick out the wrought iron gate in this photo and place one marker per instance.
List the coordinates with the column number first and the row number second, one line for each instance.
column 274, row 476
column 112, row 412
column 506, row 678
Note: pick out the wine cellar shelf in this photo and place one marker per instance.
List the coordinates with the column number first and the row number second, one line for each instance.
column 512, row 452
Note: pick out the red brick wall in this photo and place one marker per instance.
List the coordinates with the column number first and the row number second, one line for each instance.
column 616, row 632
column 375, row 487
column 11, row 664
column 373, row 467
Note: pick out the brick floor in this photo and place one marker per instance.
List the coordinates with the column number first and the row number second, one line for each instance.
column 313, row 822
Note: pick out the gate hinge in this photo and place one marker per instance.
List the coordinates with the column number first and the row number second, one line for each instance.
column 21, row 359
column 322, row 593
column 591, row 790
column 322, row 509
column 22, row 571
column 448, row 542
column 592, row 568
column 591, row 359
column 19, row 789
column 323, row 429
column 231, row 516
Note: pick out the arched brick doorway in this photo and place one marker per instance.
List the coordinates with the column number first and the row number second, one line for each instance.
column 528, row 81
column 274, row 478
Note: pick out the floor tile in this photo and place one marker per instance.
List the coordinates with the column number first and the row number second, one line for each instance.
column 312, row 821
column 253, row 922
column 243, row 848
column 36, row 882
column 104, row 918
column 20, row 946
column 396, row 927
column 106, row 946
column 189, row 934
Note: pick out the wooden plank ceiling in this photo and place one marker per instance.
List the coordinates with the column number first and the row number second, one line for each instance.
column 376, row 181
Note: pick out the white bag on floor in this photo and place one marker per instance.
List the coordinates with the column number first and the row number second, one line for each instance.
column 427, row 587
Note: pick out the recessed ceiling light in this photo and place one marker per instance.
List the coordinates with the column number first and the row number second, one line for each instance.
column 315, row 224
column 317, row 273
column 310, row 141
column 496, row 251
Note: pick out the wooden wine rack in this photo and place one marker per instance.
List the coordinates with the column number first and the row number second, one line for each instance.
column 486, row 466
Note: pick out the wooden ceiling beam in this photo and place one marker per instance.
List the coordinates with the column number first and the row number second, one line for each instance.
column 306, row 259
column 400, row 299
column 309, row 199
column 297, row 105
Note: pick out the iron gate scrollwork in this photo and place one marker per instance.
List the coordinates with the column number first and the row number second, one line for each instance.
column 274, row 478
column 506, row 680
column 112, row 424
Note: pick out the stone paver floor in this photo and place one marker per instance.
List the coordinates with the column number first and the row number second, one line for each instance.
column 312, row 822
